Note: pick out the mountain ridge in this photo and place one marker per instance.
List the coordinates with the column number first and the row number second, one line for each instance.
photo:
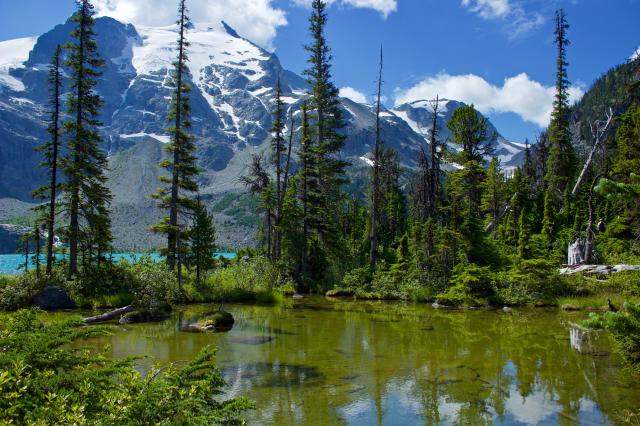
column 233, row 81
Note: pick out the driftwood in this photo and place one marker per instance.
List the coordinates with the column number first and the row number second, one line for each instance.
column 107, row 316
column 597, row 269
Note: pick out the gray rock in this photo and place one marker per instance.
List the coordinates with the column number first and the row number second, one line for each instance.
column 53, row 298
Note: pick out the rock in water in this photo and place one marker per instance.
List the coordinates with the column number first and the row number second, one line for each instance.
column 216, row 321
column 53, row 298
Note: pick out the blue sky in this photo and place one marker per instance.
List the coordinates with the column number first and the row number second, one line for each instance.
column 498, row 54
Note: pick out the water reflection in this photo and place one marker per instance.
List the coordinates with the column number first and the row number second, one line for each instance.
column 324, row 362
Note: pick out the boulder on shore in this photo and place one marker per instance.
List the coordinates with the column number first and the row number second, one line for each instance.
column 53, row 298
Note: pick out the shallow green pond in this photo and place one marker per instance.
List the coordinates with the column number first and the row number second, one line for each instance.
column 332, row 362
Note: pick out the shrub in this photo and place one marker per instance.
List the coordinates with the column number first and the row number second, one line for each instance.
column 625, row 326
column 43, row 381
column 17, row 291
column 151, row 283
column 242, row 281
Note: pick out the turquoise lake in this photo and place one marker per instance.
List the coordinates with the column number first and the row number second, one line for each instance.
column 14, row 263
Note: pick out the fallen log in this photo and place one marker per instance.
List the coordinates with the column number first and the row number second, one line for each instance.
column 107, row 316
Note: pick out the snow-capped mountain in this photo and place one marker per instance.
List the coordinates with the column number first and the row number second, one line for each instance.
column 419, row 116
column 233, row 84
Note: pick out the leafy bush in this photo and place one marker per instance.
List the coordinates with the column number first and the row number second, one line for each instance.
column 118, row 284
column 625, row 326
column 359, row 278
column 152, row 283
column 458, row 295
column 475, row 280
column 17, row 291
column 43, row 381
column 99, row 280
column 242, row 281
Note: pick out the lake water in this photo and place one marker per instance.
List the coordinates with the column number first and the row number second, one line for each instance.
column 12, row 263
column 365, row 363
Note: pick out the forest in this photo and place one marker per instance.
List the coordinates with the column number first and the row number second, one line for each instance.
column 460, row 232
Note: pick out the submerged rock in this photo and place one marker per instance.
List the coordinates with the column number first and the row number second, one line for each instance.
column 53, row 298
column 252, row 340
column 570, row 307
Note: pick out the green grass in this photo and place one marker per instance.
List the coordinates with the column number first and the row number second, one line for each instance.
column 254, row 281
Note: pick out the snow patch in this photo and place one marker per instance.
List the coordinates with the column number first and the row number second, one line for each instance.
column 413, row 124
column 13, row 54
column 367, row 160
column 161, row 138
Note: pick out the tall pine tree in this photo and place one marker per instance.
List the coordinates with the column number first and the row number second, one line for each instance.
column 182, row 183
column 280, row 163
column 327, row 120
column 87, row 198
column 561, row 162
column 51, row 153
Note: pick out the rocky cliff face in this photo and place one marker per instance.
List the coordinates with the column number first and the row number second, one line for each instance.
column 233, row 84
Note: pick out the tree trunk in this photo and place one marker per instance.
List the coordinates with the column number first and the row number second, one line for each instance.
column 373, row 252
column 107, row 316
column 53, row 179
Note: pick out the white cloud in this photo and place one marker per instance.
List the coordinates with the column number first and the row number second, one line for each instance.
column 520, row 94
column 517, row 21
column 256, row 20
column 353, row 94
column 635, row 55
column 385, row 7
column 489, row 9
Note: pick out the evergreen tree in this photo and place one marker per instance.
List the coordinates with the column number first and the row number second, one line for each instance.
column 51, row 153
column 493, row 193
column 309, row 189
column 436, row 154
column 277, row 153
column 561, row 161
column 422, row 188
column 628, row 137
column 87, row 198
column 469, row 130
column 182, row 164
column 324, row 105
column 202, row 237
column 258, row 182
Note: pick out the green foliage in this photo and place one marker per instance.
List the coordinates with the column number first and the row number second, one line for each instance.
column 242, row 281
column 16, row 292
column 86, row 197
column 44, row 381
column 182, row 162
column 202, row 237
column 625, row 327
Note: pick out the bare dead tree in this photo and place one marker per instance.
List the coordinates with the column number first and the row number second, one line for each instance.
column 598, row 129
column 375, row 190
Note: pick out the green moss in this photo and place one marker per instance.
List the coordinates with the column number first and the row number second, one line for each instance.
column 221, row 320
